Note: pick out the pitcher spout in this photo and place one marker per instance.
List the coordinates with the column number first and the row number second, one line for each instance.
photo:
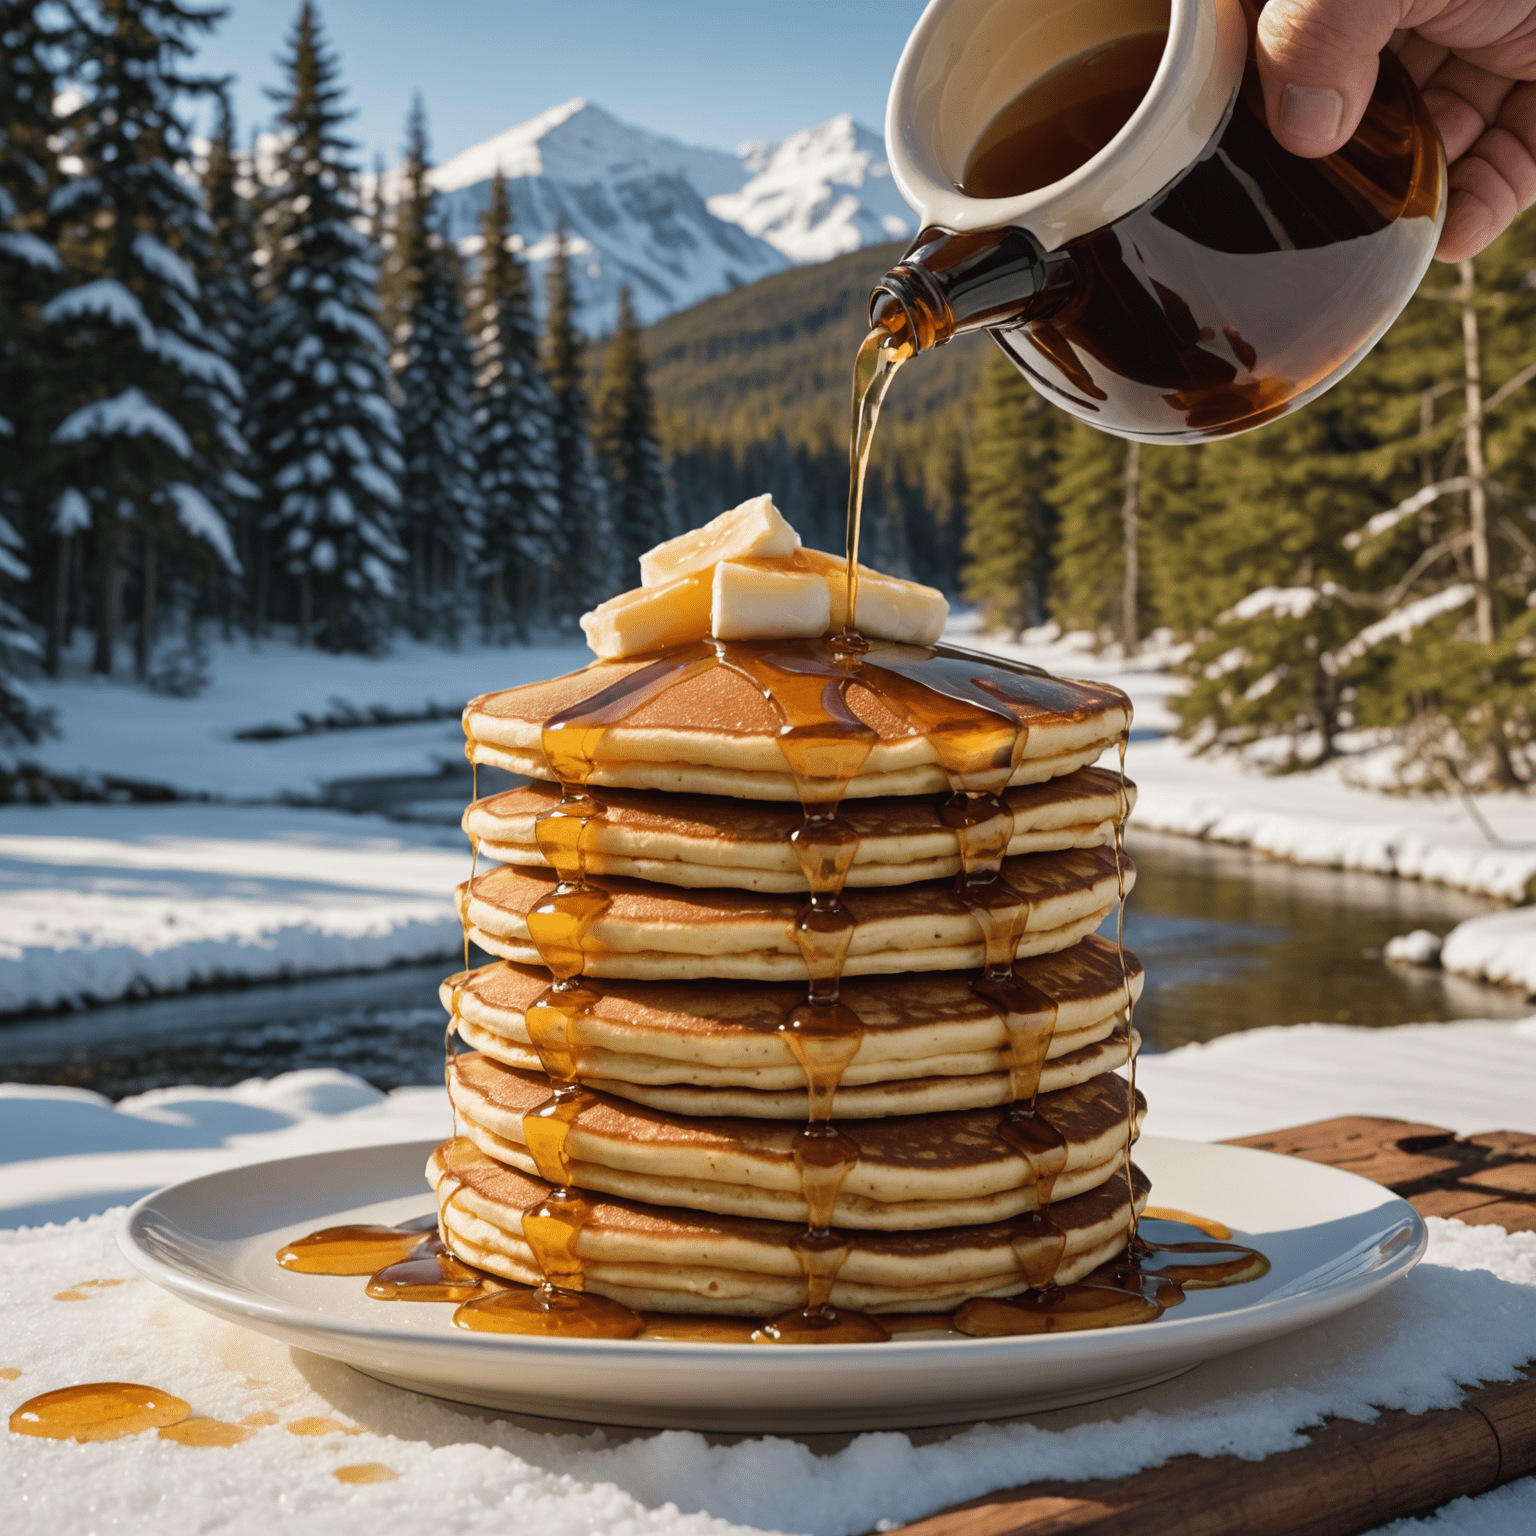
column 949, row 282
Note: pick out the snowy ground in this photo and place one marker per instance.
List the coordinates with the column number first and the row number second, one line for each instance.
column 191, row 745
column 99, row 901
column 1467, row 1314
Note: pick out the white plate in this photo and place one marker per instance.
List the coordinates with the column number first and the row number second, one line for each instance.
column 1333, row 1239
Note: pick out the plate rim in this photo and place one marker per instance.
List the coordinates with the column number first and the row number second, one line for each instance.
column 227, row 1296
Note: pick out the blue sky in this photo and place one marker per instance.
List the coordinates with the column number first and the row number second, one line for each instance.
column 706, row 71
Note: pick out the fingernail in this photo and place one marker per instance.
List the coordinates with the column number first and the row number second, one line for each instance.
column 1307, row 112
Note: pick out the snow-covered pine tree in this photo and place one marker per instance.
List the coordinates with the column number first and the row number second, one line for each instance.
column 513, row 408
column 584, row 570
column 1008, row 519
column 624, row 438
column 327, row 437
column 144, row 422
column 229, row 289
column 30, row 271
column 442, row 511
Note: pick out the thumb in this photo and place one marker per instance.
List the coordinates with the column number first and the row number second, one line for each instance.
column 1317, row 59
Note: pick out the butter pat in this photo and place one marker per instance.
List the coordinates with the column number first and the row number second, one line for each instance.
column 767, row 600
column 755, row 529
column 888, row 607
column 648, row 618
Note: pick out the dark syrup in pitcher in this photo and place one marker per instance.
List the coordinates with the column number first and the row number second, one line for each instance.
column 1064, row 119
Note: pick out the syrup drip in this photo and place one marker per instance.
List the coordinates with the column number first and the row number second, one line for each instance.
column 873, row 370
column 351, row 1250
column 430, row 1274
column 98, row 1410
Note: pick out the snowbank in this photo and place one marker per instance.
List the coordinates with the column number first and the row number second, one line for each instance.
column 1316, row 817
column 97, row 901
column 1499, row 946
column 190, row 745
column 1468, row 1077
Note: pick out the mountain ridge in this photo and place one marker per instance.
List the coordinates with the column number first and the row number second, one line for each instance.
column 677, row 222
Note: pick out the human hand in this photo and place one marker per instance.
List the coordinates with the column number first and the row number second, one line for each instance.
column 1473, row 60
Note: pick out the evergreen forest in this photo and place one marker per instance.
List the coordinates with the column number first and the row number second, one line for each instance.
column 243, row 391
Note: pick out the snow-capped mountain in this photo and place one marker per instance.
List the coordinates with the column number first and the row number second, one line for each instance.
column 677, row 222
column 820, row 193
column 632, row 203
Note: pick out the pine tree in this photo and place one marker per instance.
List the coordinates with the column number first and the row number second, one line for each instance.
column 327, row 434
column 442, row 511
column 513, row 411
column 149, row 392
column 1008, row 518
column 30, row 271
column 582, row 575
column 624, row 437
column 1088, row 492
column 229, row 288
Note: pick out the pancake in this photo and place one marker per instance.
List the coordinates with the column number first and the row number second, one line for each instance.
column 726, row 1033
column 652, row 932
column 703, row 841
column 699, row 719
column 988, row 1086
column 916, row 1172
column 654, row 1257
column 716, row 1047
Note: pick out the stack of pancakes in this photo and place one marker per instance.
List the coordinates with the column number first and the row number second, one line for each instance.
column 800, row 1003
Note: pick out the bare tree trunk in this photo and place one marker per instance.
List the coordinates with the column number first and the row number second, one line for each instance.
column 1130, row 522
column 263, row 557
column 306, row 617
column 146, row 610
column 109, row 589
column 1477, row 497
column 58, row 636
column 493, row 604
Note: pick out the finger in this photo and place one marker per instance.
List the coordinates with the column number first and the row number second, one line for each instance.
column 1317, row 59
column 1493, row 181
column 1418, row 56
column 1483, row 91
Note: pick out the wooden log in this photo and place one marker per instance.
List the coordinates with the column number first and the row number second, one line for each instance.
column 1348, row 1478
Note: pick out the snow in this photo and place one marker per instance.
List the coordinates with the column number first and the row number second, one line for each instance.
column 1402, row 623
column 196, row 514
column 1467, row 1314
column 1384, row 522
column 190, row 745
column 635, row 199
column 105, row 297
column 160, row 259
column 1467, row 1076
column 100, row 901
column 130, row 414
column 819, row 193
column 28, row 248
column 1498, row 946
column 1421, row 947
column 1285, row 602
column 71, row 513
